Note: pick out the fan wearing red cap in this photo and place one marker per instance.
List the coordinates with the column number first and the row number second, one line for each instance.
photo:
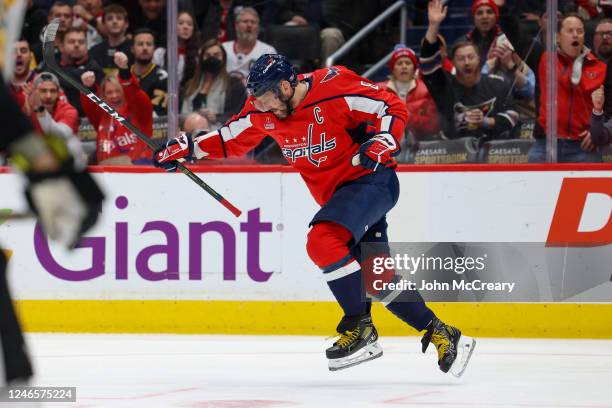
column 489, row 3
column 423, row 118
column 486, row 29
column 403, row 52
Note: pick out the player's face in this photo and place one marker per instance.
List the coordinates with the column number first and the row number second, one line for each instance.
column 571, row 37
column 277, row 105
column 64, row 13
column 48, row 93
column 269, row 102
column 403, row 70
column 143, row 48
column 484, row 19
column 113, row 94
column 23, row 58
column 74, row 46
column 466, row 61
column 185, row 26
column 116, row 24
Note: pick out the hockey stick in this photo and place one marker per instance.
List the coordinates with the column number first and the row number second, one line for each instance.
column 8, row 215
column 49, row 58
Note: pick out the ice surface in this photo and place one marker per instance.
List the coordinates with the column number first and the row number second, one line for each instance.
column 274, row 371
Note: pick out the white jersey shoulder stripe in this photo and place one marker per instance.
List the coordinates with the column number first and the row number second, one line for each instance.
column 367, row 105
column 235, row 128
column 385, row 123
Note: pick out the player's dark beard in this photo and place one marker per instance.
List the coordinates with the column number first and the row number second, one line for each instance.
column 287, row 101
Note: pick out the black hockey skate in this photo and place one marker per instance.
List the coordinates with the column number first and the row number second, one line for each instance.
column 358, row 343
column 454, row 349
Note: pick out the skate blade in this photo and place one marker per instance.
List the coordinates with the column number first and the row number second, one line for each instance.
column 367, row 353
column 465, row 348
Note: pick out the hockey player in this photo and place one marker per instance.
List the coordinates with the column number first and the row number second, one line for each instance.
column 67, row 201
column 320, row 122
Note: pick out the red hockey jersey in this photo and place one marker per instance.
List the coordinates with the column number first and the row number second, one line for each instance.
column 322, row 134
column 114, row 140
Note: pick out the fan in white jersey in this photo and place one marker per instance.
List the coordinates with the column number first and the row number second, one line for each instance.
column 244, row 51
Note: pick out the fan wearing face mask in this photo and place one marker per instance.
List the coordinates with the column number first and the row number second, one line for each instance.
column 212, row 91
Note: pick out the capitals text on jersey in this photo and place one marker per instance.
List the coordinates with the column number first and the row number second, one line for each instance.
column 309, row 150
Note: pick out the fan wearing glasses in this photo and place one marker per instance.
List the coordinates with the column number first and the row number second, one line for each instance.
column 602, row 40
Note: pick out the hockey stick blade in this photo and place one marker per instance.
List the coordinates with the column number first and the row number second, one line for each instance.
column 49, row 58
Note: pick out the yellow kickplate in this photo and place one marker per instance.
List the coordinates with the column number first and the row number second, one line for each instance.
column 306, row 318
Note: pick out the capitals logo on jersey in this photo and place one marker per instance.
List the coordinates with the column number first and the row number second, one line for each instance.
column 307, row 148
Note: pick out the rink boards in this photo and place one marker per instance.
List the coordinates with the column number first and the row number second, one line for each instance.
column 167, row 258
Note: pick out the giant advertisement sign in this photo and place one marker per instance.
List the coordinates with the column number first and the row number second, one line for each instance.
column 160, row 237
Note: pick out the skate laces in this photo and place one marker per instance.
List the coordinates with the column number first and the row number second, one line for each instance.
column 440, row 335
column 347, row 338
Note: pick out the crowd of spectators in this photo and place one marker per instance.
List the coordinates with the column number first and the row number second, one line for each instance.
column 484, row 83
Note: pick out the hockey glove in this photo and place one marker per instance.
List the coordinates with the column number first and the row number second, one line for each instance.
column 377, row 152
column 180, row 148
column 66, row 198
